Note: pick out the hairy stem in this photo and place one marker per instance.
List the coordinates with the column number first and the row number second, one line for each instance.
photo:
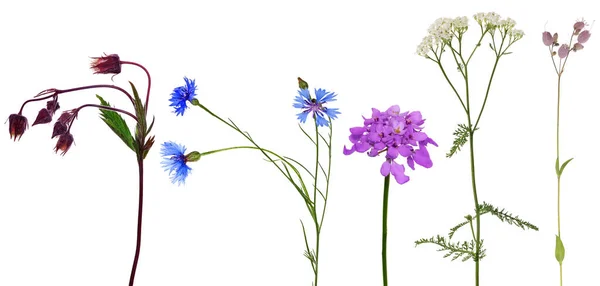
column 139, row 219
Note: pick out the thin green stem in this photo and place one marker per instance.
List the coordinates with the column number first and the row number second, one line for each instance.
column 465, row 108
column 317, row 228
column 386, row 189
column 473, row 183
column 487, row 92
column 558, row 162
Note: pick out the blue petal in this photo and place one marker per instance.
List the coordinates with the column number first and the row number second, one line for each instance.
column 302, row 116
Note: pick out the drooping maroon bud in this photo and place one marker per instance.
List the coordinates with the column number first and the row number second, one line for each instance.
column 52, row 106
column 106, row 64
column 16, row 126
column 64, row 143
column 584, row 36
column 43, row 117
column 577, row 47
column 547, row 38
column 59, row 129
column 563, row 51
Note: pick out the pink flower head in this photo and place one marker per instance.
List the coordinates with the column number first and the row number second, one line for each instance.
column 578, row 26
column 583, row 36
column 563, row 51
column 547, row 38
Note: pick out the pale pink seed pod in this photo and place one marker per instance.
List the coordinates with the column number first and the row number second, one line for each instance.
column 547, row 38
column 563, row 51
column 584, row 36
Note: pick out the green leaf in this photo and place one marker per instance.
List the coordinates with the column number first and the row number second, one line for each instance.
column 116, row 123
column 556, row 167
column 562, row 168
column 559, row 250
column 461, row 137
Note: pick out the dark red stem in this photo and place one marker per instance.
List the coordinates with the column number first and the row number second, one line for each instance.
column 139, row 223
column 149, row 81
column 55, row 92
column 76, row 112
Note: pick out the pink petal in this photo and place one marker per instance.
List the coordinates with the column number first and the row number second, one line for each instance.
column 563, row 51
column 547, row 38
column 583, row 36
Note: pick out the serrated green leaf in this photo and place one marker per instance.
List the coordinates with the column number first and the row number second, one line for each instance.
column 116, row 123
column 562, row 168
column 559, row 250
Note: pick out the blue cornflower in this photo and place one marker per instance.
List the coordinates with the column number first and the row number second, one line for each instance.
column 175, row 161
column 182, row 94
column 308, row 105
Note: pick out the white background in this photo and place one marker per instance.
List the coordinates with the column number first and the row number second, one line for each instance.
column 71, row 220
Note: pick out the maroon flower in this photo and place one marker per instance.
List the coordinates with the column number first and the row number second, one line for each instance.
column 52, row 106
column 64, row 143
column 43, row 117
column 106, row 64
column 61, row 125
column 16, row 126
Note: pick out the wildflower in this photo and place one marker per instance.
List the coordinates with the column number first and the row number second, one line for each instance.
column 583, row 36
column 43, row 117
column 61, row 125
column 547, row 39
column 17, row 124
column 441, row 30
column 106, row 64
column 64, row 143
column 45, row 114
column 395, row 133
column 425, row 46
column 182, row 94
column 563, row 51
column 175, row 161
column 315, row 105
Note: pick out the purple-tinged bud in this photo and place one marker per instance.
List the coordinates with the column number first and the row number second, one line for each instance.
column 64, row 143
column 563, row 51
column 43, row 117
column 577, row 47
column 59, row 129
column 555, row 38
column 106, row 64
column 584, row 36
column 16, row 126
column 547, row 38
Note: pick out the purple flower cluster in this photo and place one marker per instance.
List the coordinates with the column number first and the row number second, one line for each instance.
column 396, row 134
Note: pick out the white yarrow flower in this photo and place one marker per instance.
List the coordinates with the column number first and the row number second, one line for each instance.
column 460, row 23
column 425, row 46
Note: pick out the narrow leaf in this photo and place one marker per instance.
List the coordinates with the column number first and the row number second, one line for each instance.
column 559, row 250
column 562, row 168
column 116, row 123
column 556, row 167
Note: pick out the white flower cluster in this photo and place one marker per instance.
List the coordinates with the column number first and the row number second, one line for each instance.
column 491, row 19
column 442, row 30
